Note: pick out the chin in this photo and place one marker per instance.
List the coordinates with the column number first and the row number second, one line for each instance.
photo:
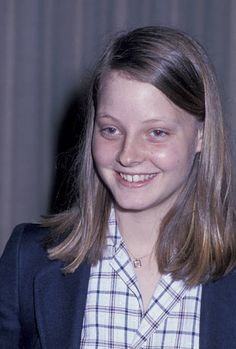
column 134, row 207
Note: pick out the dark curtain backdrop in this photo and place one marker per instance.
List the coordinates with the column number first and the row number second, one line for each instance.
column 47, row 49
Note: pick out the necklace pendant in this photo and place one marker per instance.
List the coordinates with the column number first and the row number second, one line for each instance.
column 137, row 263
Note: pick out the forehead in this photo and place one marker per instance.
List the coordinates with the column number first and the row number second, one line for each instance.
column 118, row 85
column 123, row 97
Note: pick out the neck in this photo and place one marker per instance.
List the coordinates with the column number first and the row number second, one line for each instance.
column 139, row 230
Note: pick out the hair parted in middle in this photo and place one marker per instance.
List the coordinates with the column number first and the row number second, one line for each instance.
column 196, row 242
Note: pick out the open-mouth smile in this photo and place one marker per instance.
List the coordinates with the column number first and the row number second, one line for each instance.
column 137, row 178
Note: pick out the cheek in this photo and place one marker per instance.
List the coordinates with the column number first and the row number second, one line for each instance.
column 98, row 151
column 173, row 158
column 165, row 157
column 103, row 153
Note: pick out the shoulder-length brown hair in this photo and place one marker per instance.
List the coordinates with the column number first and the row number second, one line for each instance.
column 197, row 240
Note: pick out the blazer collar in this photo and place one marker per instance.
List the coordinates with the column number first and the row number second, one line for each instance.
column 59, row 305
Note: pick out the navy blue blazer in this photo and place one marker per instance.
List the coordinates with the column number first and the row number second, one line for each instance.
column 42, row 308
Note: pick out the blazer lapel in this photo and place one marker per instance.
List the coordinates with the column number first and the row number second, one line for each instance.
column 59, row 305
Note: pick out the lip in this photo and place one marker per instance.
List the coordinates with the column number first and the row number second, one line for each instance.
column 138, row 179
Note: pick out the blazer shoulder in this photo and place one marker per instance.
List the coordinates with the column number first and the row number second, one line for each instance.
column 29, row 232
column 226, row 283
column 221, row 292
column 27, row 246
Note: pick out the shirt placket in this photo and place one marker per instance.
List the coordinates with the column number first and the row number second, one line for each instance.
column 165, row 298
column 122, row 265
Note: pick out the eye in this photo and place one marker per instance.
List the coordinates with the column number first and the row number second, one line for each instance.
column 158, row 133
column 109, row 132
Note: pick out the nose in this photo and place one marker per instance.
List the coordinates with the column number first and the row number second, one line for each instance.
column 131, row 152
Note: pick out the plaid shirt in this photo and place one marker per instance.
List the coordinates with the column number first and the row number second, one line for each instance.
column 114, row 316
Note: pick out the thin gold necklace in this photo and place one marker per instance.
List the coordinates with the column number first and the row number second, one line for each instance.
column 137, row 262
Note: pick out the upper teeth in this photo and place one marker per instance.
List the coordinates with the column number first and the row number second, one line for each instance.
column 136, row 178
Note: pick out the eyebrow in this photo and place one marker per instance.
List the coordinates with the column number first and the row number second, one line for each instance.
column 101, row 115
column 153, row 120
column 107, row 116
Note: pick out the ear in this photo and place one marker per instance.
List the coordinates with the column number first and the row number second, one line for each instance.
column 199, row 139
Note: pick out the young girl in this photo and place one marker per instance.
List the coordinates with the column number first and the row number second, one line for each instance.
column 145, row 257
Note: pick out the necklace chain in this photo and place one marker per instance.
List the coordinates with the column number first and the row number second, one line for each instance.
column 137, row 261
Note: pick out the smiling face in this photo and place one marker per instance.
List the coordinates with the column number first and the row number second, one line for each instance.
column 143, row 145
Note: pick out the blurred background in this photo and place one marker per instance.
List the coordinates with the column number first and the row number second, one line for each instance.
column 47, row 50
